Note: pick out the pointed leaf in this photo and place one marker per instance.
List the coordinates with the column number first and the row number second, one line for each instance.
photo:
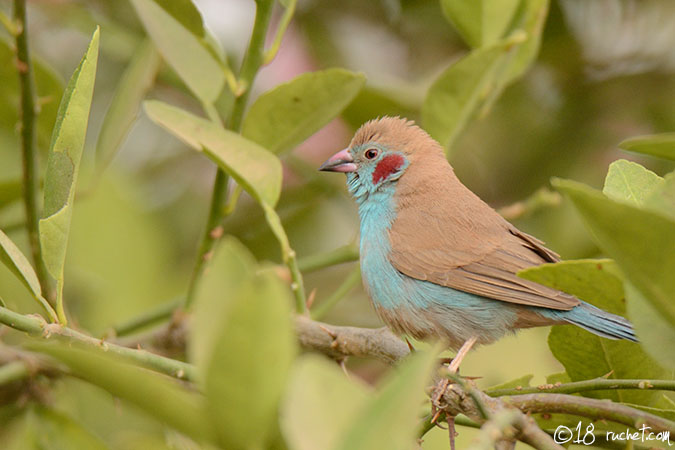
column 136, row 80
column 159, row 396
column 390, row 420
column 249, row 364
column 641, row 242
column 64, row 161
column 653, row 330
column 480, row 22
column 285, row 116
column 185, row 12
column 583, row 354
column 456, row 95
column 194, row 62
column 229, row 276
column 56, row 431
column 663, row 199
column 660, row 145
column 630, row 182
column 320, row 403
column 18, row 264
column 255, row 169
column 531, row 19
column 527, row 31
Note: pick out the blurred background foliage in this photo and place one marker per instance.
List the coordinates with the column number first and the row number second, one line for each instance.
column 604, row 73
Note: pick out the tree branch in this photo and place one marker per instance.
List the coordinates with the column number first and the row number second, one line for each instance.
column 597, row 384
column 339, row 342
column 37, row 327
column 589, row 407
column 456, row 401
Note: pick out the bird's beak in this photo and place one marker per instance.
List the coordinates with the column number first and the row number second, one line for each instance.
column 342, row 161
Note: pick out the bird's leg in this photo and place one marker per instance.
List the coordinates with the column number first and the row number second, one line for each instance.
column 464, row 349
column 453, row 368
column 451, row 430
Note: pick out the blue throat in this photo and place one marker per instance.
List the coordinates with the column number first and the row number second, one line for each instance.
column 388, row 287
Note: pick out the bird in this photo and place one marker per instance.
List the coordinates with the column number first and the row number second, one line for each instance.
column 438, row 262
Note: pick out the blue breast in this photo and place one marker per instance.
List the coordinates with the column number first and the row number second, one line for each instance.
column 459, row 312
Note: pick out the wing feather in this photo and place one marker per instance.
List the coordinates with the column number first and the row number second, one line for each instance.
column 460, row 242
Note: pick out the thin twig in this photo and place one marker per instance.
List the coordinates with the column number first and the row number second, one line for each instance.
column 148, row 318
column 31, row 178
column 37, row 327
column 597, row 384
column 347, row 285
column 340, row 255
column 281, row 30
column 250, row 66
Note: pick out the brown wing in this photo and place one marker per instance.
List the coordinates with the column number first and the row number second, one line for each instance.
column 443, row 233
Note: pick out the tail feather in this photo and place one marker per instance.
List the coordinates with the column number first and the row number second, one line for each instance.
column 600, row 322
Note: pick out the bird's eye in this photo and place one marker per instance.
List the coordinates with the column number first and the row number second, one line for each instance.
column 371, row 153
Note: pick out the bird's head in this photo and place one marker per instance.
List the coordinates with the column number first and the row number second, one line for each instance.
column 380, row 153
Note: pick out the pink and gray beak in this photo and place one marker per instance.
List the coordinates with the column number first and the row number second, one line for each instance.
column 342, row 161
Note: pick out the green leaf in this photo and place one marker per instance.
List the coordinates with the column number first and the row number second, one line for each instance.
column 663, row 199
column 320, row 403
column 641, row 242
column 529, row 25
column 653, row 330
column 456, row 95
column 523, row 381
column 390, row 420
column 64, row 161
column 159, row 396
column 665, row 413
column 55, row 431
column 185, row 12
column 660, row 145
column 480, row 22
column 285, row 116
column 192, row 59
column 18, row 264
column 254, row 168
column 530, row 19
column 229, row 276
column 136, row 80
column 630, row 182
column 250, row 363
column 583, row 354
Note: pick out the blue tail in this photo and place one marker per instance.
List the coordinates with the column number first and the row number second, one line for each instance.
column 597, row 322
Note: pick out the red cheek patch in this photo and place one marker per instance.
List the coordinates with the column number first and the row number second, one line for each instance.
column 387, row 166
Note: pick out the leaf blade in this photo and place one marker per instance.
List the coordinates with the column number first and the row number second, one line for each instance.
column 646, row 259
column 158, row 395
column 659, row 145
column 194, row 62
column 135, row 82
column 583, row 354
column 290, row 113
column 257, row 170
column 243, row 395
column 64, row 160
column 390, row 419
